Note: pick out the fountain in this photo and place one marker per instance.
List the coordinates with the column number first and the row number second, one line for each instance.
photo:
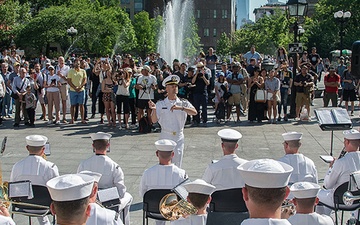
column 177, row 17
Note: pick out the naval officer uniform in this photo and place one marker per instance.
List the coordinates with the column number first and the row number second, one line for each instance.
column 307, row 190
column 224, row 174
column 172, row 122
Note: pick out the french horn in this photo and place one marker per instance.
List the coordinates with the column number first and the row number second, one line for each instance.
column 172, row 208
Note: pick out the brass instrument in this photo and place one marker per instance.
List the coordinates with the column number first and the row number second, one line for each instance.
column 287, row 209
column 349, row 198
column 171, row 208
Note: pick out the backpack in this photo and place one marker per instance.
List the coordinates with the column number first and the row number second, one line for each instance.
column 144, row 125
column 220, row 111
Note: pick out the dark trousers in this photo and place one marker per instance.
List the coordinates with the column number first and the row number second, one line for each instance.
column 31, row 115
column 20, row 106
column 101, row 104
column 132, row 104
column 93, row 102
column 200, row 100
column 330, row 96
column 284, row 99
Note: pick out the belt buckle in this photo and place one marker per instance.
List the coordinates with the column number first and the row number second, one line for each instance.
column 174, row 133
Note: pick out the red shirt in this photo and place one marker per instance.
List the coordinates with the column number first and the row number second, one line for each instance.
column 328, row 78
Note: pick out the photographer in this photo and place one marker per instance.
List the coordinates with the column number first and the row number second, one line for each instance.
column 201, row 81
column 52, row 85
column 122, row 96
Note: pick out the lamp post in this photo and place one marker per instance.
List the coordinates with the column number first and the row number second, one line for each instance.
column 72, row 32
column 342, row 18
column 296, row 9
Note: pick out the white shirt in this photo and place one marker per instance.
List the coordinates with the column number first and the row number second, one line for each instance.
column 172, row 122
column 161, row 177
column 34, row 168
column 49, row 80
column 269, row 221
column 101, row 216
column 5, row 220
column 249, row 55
column 191, row 220
column 112, row 174
column 224, row 174
column 147, row 81
column 310, row 219
column 64, row 71
column 304, row 168
column 341, row 170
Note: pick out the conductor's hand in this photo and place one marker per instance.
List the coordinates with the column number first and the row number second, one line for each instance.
column 175, row 107
column 4, row 211
column 152, row 105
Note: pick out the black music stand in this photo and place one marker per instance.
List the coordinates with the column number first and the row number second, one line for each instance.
column 331, row 119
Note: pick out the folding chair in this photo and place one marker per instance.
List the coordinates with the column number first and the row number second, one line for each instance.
column 229, row 200
column 38, row 206
column 339, row 204
column 151, row 201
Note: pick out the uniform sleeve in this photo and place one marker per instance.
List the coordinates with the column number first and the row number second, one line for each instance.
column 159, row 106
column 142, row 188
column 119, row 181
column 207, row 175
column 13, row 174
column 187, row 104
column 332, row 176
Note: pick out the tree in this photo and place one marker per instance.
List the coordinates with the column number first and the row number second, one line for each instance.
column 223, row 45
column 191, row 39
column 144, row 33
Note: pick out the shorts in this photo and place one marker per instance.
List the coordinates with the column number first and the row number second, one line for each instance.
column 143, row 103
column 77, row 97
column 349, row 95
column 234, row 99
column 107, row 97
column 64, row 91
column 41, row 96
column 302, row 99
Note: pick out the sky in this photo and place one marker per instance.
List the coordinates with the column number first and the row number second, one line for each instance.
column 256, row 4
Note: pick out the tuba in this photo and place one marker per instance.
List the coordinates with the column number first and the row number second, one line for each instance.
column 172, row 208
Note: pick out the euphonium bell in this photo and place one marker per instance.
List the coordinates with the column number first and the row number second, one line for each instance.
column 4, row 199
column 349, row 198
column 171, row 208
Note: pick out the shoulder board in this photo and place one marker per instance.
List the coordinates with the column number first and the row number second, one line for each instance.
column 117, row 167
column 52, row 166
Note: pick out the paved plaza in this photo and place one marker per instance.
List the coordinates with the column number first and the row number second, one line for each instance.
column 135, row 152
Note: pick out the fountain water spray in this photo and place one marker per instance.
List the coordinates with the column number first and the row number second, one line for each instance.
column 177, row 17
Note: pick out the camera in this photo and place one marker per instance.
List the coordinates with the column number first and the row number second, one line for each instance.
column 200, row 75
column 53, row 81
column 144, row 88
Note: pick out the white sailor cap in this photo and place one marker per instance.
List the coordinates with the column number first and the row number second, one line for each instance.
column 229, row 135
column 351, row 134
column 172, row 79
column 100, row 136
column 305, row 189
column 165, row 145
column 92, row 174
column 292, row 136
column 199, row 186
column 70, row 187
column 36, row 140
column 265, row 173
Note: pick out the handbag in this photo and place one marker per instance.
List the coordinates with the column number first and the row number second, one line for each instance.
column 260, row 96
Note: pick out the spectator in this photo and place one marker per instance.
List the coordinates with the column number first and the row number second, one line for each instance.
column 6, row 76
column 349, row 93
column 132, row 97
column 201, row 81
column 211, row 61
column 251, row 67
column 2, row 94
column 314, row 59
column 122, row 96
column 221, row 86
column 281, row 56
column 30, row 101
column 62, row 71
column 303, row 82
column 252, row 54
column 235, row 80
column 107, row 86
column 286, row 80
column 52, row 84
column 272, row 86
column 41, row 92
column 19, row 86
column 256, row 109
column 332, row 82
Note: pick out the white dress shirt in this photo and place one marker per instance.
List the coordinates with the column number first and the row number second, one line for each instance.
column 100, row 216
column 310, row 219
column 304, row 168
column 268, row 221
column 5, row 220
column 191, row 220
column 161, row 177
column 224, row 174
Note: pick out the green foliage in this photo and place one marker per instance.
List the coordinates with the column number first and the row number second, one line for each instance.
column 144, row 32
column 324, row 31
column 223, row 45
column 191, row 39
column 157, row 24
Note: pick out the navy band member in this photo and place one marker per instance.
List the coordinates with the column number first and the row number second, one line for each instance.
column 98, row 214
column 112, row 174
column 224, row 174
column 304, row 167
column 171, row 113
column 70, row 194
column 199, row 196
column 5, row 218
column 265, row 190
column 305, row 199
column 34, row 167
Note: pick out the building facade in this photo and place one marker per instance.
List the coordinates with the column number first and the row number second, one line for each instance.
column 133, row 6
column 242, row 13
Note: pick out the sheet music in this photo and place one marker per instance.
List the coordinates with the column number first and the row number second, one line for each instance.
column 47, row 149
column 21, row 189
column 108, row 194
column 341, row 116
column 325, row 117
column 327, row 158
column 180, row 190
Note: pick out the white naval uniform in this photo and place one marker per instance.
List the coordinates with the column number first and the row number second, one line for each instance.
column 191, row 220
column 38, row 171
column 266, row 221
column 224, row 174
column 161, row 177
column 112, row 176
column 310, row 219
column 337, row 175
column 5, row 220
column 172, row 124
column 304, row 168
column 100, row 216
